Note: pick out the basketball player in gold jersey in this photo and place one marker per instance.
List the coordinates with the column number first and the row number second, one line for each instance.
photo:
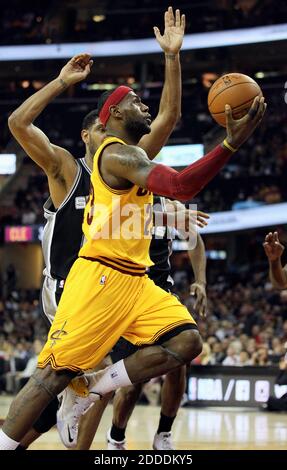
column 107, row 294
column 21, row 126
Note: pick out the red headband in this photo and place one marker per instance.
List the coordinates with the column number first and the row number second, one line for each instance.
column 115, row 98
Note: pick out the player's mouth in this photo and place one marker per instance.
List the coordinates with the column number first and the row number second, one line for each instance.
column 148, row 119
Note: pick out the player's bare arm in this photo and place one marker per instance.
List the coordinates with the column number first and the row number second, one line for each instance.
column 122, row 165
column 197, row 258
column 274, row 251
column 197, row 255
column 57, row 162
column 170, row 103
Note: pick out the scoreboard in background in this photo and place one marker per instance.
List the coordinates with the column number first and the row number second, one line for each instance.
column 247, row 386
column 23, row 233
column 180, row 155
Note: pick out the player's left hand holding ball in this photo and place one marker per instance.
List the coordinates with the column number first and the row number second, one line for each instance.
column 238, row 130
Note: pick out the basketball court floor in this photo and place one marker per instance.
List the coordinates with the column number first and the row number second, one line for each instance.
column 194, row 429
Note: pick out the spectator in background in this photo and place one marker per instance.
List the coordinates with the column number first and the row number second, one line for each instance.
column 217, row 355
column 10, row 280
column 260, row 357
column 12, row 366
column 232, row 359
column 22, row 377
column 244, row 359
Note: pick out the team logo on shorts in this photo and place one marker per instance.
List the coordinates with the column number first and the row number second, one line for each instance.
column 103, row 280
column 56, row 335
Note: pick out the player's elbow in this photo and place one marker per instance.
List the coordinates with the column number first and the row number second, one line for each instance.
column 179, row 194
column 178, row 116
column 19, row 120
column 181, row 197
column 167, row 182
column 184, row 194
column 15, row 122
column 12, row 119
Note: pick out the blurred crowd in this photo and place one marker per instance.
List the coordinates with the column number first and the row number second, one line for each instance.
column 22, row 333
column 53, row 22
column 247, row 320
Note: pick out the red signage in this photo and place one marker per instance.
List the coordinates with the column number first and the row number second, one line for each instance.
column 18, row 234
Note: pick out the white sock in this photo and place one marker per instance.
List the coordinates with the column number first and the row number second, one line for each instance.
column 113, row 377
column 6, row 443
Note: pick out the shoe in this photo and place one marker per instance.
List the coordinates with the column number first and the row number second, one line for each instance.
column 115, row 445
column 72, row 407
column 162, row 441
column 80, row 385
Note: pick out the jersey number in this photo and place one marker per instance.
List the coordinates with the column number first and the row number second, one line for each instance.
column 90, row 215
column 148, row 220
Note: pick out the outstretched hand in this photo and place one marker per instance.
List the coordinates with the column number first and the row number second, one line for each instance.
column 174, row 26
column 77, row 69
column 272, row 246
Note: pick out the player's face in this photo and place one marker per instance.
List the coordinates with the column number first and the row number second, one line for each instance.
column 94, row 136
column 136, row 117
column 98, row 134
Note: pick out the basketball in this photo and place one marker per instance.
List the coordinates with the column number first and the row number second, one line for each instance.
column 237, row 90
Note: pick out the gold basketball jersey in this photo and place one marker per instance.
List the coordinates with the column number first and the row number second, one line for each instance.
column 117, row 223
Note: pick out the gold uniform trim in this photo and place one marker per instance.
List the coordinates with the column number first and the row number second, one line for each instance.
column 52, row 362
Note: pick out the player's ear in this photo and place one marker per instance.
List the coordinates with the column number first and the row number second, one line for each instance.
column 115, row 111
column 85, row 135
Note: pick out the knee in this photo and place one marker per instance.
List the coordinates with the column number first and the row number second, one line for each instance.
column 192, row 343
column 187, row 344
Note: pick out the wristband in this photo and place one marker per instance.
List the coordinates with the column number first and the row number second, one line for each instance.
column 228, row 146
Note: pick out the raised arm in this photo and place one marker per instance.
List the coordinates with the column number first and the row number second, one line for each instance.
column 274, row 250
column 170, row 103
column 58, row 163
column 122, row 163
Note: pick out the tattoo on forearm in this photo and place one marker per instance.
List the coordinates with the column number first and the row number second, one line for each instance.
column 63, row 84
column 170, row 57
column 133, row 160
column 133, row 163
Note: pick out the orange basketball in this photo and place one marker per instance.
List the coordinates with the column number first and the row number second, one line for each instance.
column 237, row 90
